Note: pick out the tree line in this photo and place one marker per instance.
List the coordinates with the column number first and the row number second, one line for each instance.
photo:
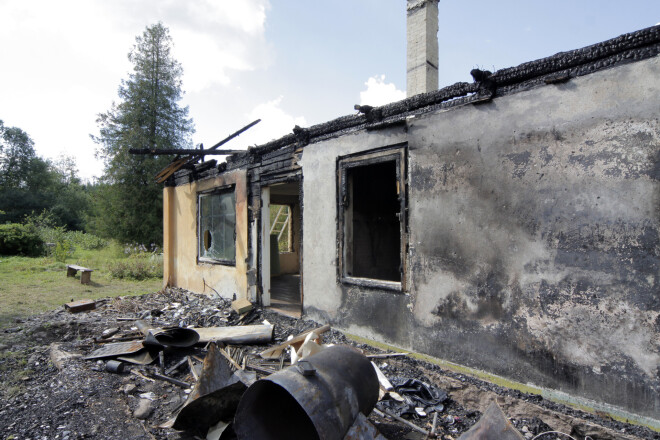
column 125, row 203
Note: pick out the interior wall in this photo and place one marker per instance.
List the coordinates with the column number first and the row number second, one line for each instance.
column 534, row 248
column 180, row 239
column 290, row 261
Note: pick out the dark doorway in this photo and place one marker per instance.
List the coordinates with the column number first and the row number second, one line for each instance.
column 285, row 249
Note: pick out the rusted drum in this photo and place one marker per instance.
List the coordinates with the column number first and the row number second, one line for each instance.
column 297, row 403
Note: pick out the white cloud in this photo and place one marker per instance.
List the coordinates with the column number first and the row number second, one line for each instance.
column 275, row 123
column 379, row 92
column 63, row 61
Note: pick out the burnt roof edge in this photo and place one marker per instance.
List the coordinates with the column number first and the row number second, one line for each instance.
column 503, row 77
column 577, row 62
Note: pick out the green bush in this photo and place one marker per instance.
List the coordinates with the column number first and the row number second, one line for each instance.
column 86, row 241
column 138, row 267
column 17, row 239
column 62, row 249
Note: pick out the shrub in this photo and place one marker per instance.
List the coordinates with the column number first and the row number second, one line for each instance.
column 62, row 249
column 138, row 267
column 17, row 239
column 86, row 241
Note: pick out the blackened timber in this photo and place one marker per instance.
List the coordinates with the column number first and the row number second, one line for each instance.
column 227, row 139
column 280, row 178
column 280, row 166
column 166, row 172
column 289, row 149
column 589, row 54
column 204, row 166
column 239, row 162
column 281, row 158
column 169, row 151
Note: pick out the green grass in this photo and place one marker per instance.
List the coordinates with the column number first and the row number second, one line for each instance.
column 34, row 285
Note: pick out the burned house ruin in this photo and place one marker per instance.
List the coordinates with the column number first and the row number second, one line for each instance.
column 509, row 225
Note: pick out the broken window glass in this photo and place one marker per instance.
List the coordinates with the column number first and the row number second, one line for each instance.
column 217, row 225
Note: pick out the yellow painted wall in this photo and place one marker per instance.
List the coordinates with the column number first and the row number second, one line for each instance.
column 181, row 268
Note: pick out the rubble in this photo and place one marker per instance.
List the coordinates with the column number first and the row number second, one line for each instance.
column 47, row 388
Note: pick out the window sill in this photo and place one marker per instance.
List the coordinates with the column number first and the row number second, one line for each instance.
column 394, row 286
column 216, row 262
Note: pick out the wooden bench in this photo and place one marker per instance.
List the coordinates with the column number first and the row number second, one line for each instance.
column 85, row 273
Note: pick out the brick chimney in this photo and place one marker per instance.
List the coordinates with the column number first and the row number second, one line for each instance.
column 422, row 50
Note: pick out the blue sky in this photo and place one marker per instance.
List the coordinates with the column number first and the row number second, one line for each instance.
column 287, row 62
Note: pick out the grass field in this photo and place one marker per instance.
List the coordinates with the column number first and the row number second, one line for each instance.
column 33, row 285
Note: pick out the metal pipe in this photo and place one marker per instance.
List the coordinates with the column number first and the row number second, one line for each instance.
column 319, row 406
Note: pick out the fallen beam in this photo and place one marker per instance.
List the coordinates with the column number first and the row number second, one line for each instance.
column 244, row 334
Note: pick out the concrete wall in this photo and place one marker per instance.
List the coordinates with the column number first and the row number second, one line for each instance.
column 180, row 239
column 534, row 237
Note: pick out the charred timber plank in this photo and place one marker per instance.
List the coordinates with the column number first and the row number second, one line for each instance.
column 169, row 151
column 205, row 166
column 238, row 163
column 282, row 158
column 289, row 149
column 280, row 178
column 279, row 167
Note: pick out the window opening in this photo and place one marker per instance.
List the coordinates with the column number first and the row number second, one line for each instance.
column 372, row 219
column 217, row 226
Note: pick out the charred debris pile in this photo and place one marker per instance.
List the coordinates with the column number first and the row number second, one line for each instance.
column 177, row 365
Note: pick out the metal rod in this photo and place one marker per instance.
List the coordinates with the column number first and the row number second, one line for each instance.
column 386, row 355
column 176, row 366
column 402, row 420
column 171, row 380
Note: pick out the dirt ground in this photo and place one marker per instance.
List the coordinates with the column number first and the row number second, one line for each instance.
column 48, row 391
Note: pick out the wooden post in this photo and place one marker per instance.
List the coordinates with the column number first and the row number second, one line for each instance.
column 86, row 277
column 265, row 246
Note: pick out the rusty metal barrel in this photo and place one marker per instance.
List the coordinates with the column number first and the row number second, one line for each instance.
column 318, row 401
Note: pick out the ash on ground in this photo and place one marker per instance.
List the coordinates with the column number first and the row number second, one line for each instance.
column 48, row 391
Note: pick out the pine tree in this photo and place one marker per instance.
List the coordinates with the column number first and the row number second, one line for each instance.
column 147, row 116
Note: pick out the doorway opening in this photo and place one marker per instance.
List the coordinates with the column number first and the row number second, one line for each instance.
column 282, row 240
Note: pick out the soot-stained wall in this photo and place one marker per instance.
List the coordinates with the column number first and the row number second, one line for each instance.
column 534, row 247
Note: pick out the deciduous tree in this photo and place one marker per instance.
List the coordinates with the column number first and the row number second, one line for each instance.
column 16, row 154
column 30, row 184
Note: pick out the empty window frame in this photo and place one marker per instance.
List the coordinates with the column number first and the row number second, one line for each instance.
column 216, row 220
column 372, row 229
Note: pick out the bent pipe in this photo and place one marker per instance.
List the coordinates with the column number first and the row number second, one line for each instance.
column 318, row 406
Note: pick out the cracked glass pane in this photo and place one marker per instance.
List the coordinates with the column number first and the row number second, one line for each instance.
column 217, row 224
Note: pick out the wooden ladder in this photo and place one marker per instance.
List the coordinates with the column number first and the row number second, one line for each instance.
column 282, row 218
